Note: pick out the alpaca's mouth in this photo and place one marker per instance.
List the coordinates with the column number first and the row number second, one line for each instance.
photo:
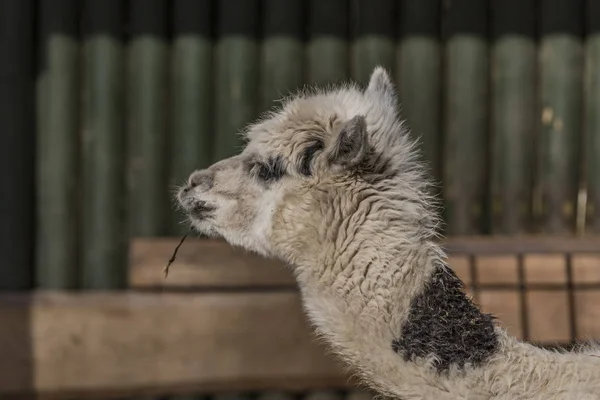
column 200, row 209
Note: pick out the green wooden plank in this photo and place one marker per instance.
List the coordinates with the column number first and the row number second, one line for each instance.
column 57, row 151
column 374, row 34
column 105, row 239
column 237, row 70
column 17, row 104
column 466, row 116
column 560, row 96
column 327, row 50
column 192, row 89
column 282, row 52
column 513, row 113
column 592, row 116
column 419, row 77
column 147, row 77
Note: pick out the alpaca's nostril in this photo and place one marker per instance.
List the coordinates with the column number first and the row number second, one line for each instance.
column 202, row 179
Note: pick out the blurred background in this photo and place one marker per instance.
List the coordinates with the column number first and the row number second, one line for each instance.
column 107, row 105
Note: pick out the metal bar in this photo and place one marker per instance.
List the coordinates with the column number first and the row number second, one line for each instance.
column 237, row 73
column 373, row 37
column 17, row 110
column 513, row 113
column 193, row 105
column 57, row 149
column 560, row 94
column 282, row 54
column 147, row 79
column 592, row 116
column 327, row 49
column 419, row 76
column 466, row 116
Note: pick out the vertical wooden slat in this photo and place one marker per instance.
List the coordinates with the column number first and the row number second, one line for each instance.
column 560, row 95
column 419, row 76
column 17, row 108
column 592, row 116
column 237, row 70
column 147, row 78
column 104, row 250
column 192, row 122
column 282, row 53
column 513, row 72
column 466, row 115
column 373, row 23
column 57, row 150
column 327, row 48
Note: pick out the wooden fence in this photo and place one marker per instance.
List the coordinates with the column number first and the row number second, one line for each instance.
column 106, row 105
column 225, row 320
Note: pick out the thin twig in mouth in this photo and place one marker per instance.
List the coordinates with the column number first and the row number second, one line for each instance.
column 174, row 256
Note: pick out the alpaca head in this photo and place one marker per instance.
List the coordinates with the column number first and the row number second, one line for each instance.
column 304, row 167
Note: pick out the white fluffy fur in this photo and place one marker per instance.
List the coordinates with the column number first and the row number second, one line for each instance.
column 362, row 250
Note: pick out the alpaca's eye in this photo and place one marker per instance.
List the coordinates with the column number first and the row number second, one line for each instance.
column 270, row 171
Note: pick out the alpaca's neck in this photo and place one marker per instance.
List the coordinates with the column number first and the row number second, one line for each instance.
column 398, row 315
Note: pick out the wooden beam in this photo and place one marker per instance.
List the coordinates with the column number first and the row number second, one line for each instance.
column 530, row 298
column 98, row 344
column 215, row 264
column 202, row 263
column 514, row 244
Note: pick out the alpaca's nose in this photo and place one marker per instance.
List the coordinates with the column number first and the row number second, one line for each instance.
column 202, row 179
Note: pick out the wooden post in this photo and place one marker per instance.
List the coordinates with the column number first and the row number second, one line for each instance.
column 147, row 78
column 560, row 97
column 592, row 116
column 373, row 29
column 513, row 72
column 237, row 64
column 57, row 149
column 327, row 48
column 282, row 50
column 104, row 251
column 419, row 76
column 17, row 108
column 466, row 111
column 193, row 109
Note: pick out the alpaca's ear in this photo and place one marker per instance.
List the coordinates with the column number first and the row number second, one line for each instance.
column 350, row 145
column 381, row 85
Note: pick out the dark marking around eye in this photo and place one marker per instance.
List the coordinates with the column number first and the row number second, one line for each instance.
column 308, row 156
column 272, row 170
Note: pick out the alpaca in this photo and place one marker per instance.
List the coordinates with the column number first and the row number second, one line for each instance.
column 331, row 183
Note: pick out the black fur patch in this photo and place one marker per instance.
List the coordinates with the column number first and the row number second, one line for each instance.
column 444, row 323
column 307, row 157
